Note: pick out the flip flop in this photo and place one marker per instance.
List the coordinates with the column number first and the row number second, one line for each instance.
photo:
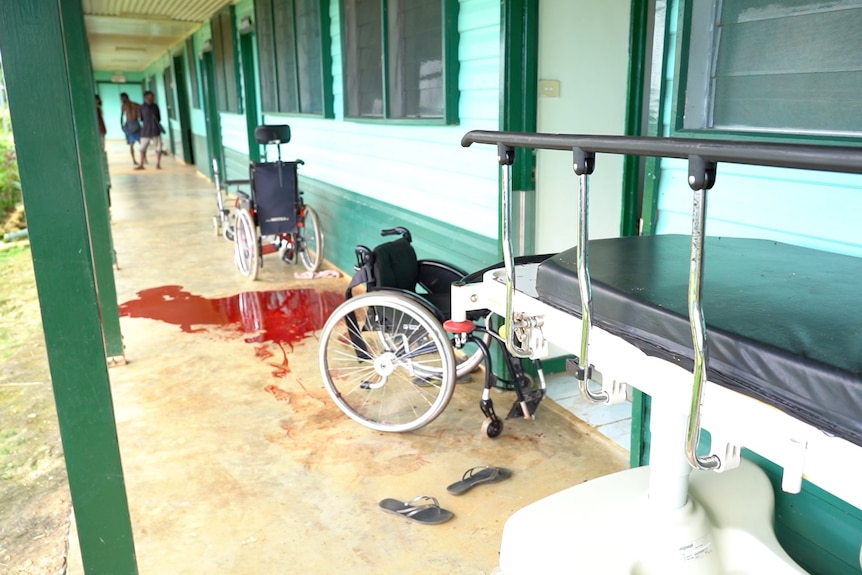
column 477, row 476
column 423, row 509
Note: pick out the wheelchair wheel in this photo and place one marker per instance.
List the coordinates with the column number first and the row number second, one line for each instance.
column 386, row 362
column 311, row 241
column 246, row 244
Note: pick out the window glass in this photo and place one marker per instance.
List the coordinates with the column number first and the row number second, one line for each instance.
column 778, row 66
column 415, row 59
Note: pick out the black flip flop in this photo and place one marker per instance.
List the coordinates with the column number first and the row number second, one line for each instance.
column 423, row 509
column 477, row 476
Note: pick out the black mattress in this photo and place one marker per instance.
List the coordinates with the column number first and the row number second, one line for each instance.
column 784, row 323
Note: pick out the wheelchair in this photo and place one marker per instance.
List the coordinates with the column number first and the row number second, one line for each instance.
column 390, row 357
column 273, row 208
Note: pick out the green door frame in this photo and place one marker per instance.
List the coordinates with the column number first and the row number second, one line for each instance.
column 181, row 99
column 249, row 81
column 518, row 110
column 211, row 112
column 49, row 36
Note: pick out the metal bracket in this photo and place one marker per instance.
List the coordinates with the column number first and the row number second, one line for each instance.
column 584, row 162
column 701, row 173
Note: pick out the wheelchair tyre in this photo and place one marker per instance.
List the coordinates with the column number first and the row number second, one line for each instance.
column 311, row 241
column 246, row 244
column 376, row 353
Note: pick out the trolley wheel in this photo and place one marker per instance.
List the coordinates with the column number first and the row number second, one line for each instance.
column 386, row 362
column 246, row 244
column 310, row 241
column 492, row 427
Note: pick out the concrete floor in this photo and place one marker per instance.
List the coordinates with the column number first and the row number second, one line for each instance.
column 235, row 459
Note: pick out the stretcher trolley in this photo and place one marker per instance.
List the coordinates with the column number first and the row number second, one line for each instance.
column 756, row 341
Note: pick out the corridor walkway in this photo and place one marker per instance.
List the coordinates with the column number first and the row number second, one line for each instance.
column 235, row 459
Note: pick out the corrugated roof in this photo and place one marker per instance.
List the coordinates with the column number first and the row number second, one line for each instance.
column 129, row 35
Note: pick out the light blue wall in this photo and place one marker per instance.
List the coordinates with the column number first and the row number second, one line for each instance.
column 418, row 168
column 812, row 209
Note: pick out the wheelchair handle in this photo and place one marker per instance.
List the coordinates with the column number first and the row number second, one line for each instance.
column 300, row 162
column 405, row 233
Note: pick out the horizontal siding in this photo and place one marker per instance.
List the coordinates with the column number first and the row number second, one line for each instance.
column 348, row 219
column 423, row 167
column 202, row 155
column 812, row 209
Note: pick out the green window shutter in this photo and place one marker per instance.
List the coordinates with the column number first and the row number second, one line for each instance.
column 777, row 66
column 292, row 36
column 401, row 59
column 266, row 55
column 363, row 46
column 309, row 56
column 224, row 60
column 416, row 86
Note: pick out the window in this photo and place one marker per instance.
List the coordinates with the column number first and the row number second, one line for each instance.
column 293, row 50
column 400, row 59
column 224, row 62
column 775, row 66
column 191, row 65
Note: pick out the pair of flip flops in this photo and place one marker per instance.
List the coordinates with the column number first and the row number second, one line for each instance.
column 426, row 509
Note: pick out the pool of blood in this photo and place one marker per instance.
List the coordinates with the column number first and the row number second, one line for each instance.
column 279, row 317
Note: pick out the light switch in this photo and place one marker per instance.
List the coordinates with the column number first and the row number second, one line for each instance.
column 549, row 88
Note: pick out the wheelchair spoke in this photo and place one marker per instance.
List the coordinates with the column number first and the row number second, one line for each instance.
column 396, row 373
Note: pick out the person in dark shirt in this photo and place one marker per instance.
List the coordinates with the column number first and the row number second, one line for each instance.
column 151, row 129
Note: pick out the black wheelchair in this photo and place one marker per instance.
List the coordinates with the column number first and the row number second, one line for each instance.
column 390, row 358
column 274, row 209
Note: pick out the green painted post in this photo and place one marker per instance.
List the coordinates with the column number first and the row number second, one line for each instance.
column 91, row 154
column 249, row 77
column 39, row 76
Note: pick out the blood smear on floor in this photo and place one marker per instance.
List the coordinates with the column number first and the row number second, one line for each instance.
column 283, row 317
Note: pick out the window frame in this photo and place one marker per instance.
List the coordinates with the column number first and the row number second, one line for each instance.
column 451, row 67
column 680, row 103
column 271, row 61
column 224, row 100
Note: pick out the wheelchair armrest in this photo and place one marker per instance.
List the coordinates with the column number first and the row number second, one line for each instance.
column 243, row 195
column 437, row 277
column 236, row 182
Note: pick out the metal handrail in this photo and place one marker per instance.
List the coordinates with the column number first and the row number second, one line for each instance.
column 802, row 156
column 703, row 156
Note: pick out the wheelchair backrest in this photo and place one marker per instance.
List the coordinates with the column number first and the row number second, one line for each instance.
column 395, row 266
column 275, row 196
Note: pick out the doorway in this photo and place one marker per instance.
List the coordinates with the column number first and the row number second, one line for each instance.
column 111, row 106
column 182, row 109
column 211, row 113
column 583, row 67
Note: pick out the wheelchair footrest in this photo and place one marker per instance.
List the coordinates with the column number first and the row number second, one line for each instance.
column 532, row 399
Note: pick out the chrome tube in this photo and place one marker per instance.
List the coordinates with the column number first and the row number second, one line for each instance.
column 584, row 285
column 698, row 333
column 506, row 159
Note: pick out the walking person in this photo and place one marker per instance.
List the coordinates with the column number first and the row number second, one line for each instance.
column 151, row 129
column 101, row 120
column 129, row 122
